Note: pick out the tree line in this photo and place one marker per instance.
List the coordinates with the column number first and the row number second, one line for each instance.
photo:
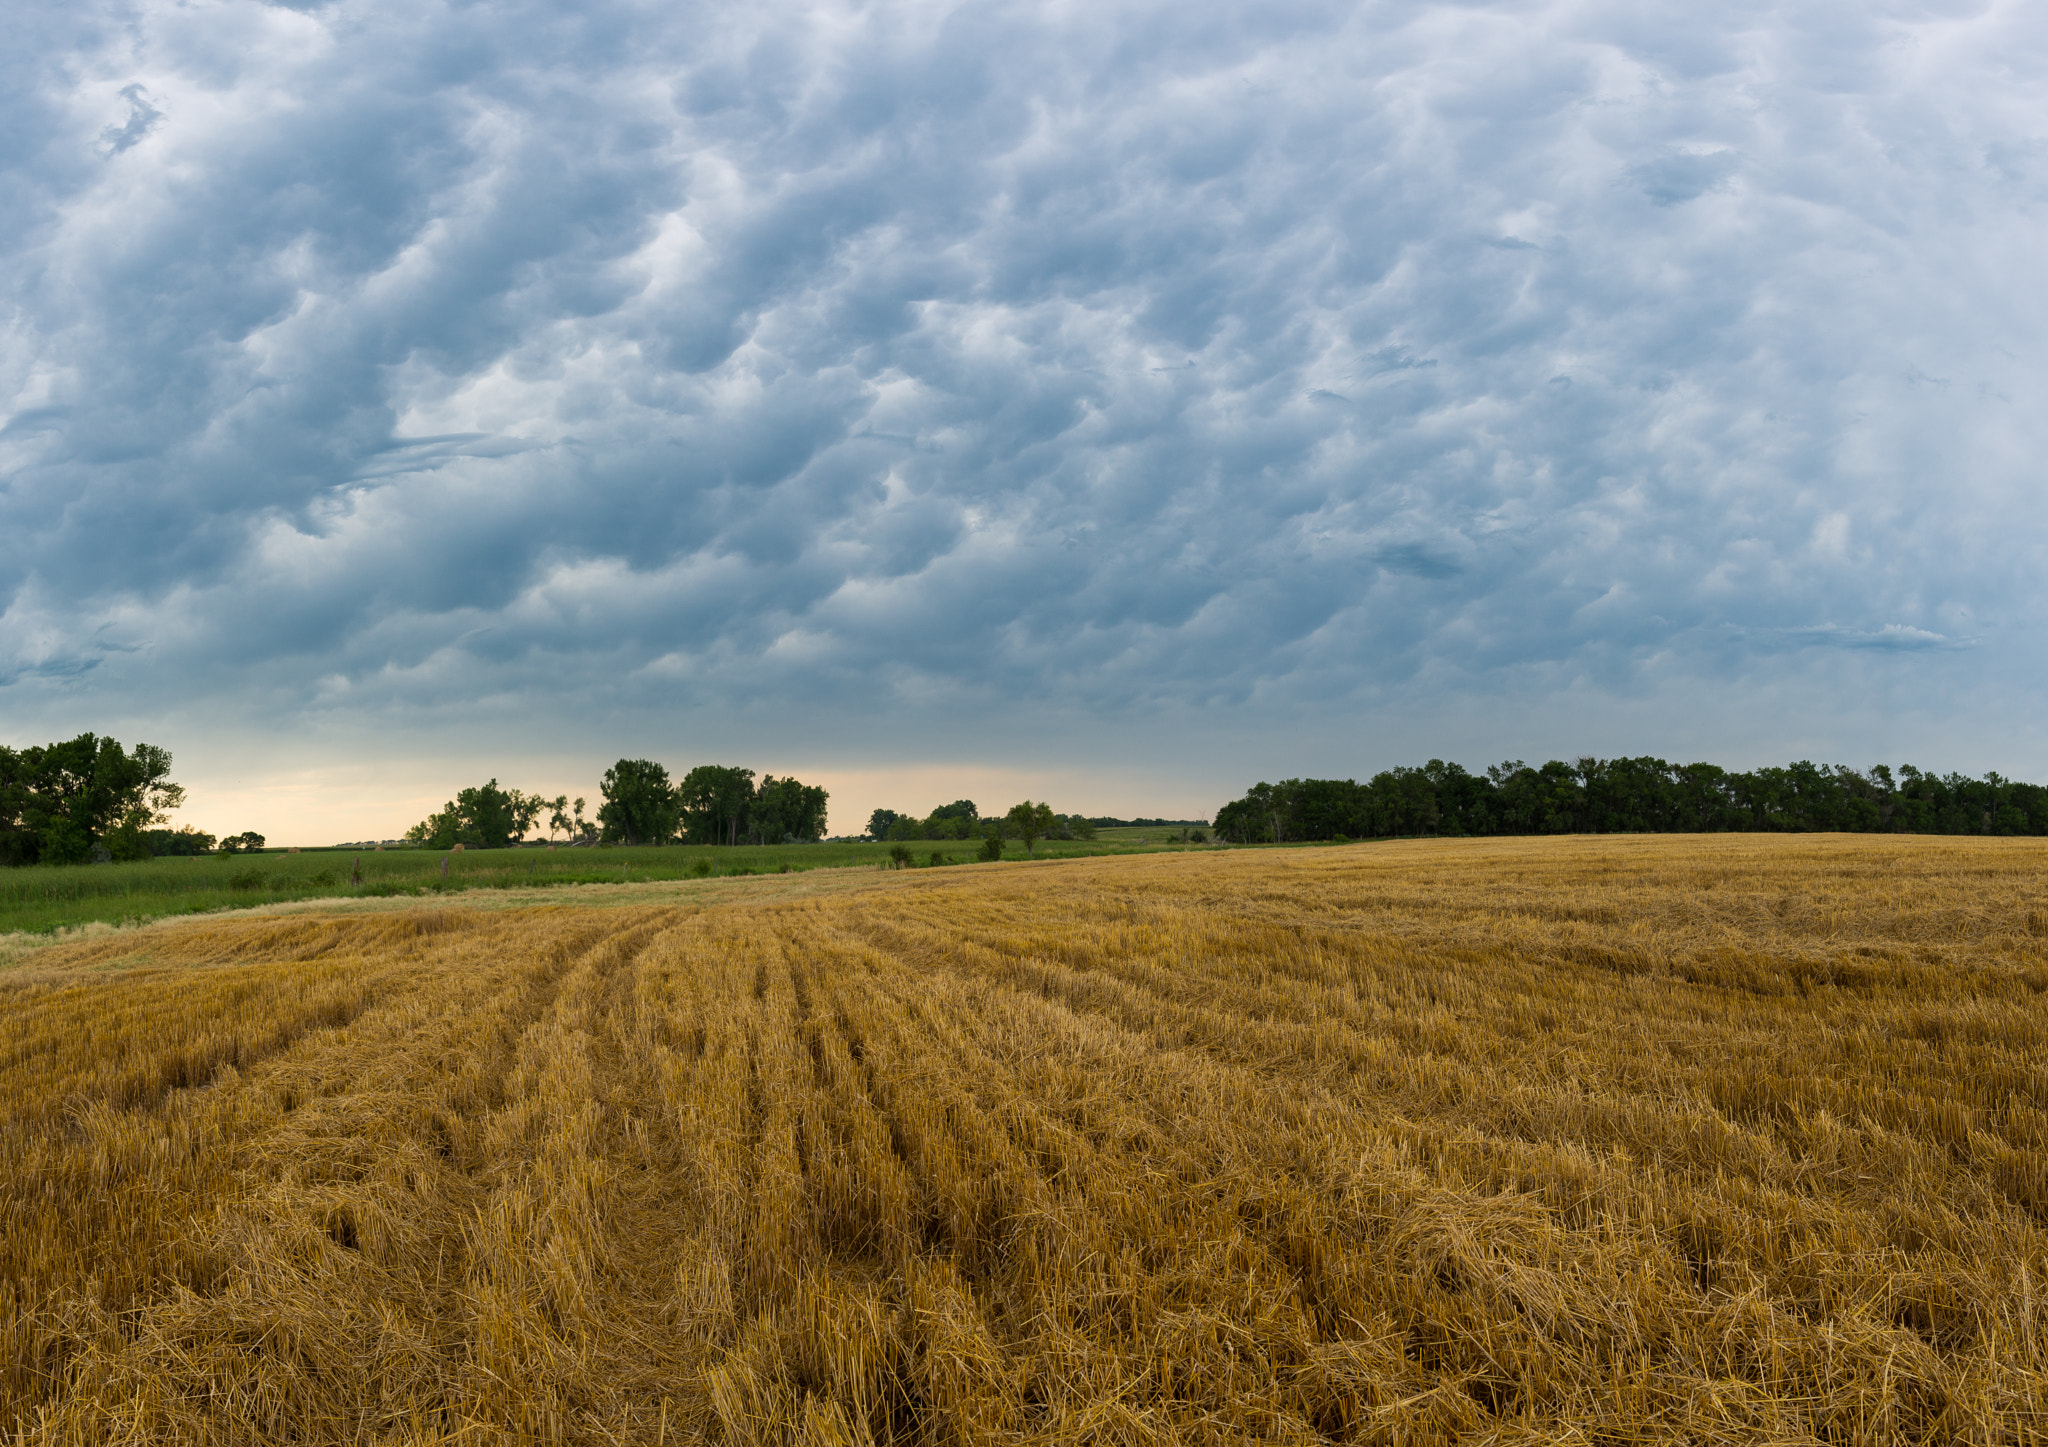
column 711, row 804
column 961, row 819
column 1628, row 796
column 89, row 798
column 717, row 804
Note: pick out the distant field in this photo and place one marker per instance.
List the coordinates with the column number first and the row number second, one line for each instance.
column 40, row 899
column 1148, row 833
column 1739, row 1139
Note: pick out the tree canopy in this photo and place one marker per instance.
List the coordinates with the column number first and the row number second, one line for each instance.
column 58, row 801
column 787, row 811
column 639, row 805
column 1030, row 822
column 485, row 817
column 711, row 804
column 963, row 819
column 715, row 801
column 171, row 843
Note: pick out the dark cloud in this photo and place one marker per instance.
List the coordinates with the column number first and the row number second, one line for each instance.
column 1684, row 175
column 598, row 359
column 142, row 119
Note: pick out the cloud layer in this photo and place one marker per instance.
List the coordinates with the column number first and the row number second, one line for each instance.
column 377, row 359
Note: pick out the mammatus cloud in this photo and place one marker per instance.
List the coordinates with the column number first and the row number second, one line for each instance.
column 567, row 360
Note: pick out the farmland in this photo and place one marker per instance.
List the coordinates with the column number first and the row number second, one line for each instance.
column 41, row 899
column 1726, row 1139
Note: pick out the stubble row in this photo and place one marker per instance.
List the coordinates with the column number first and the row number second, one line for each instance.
column 1622, row 1140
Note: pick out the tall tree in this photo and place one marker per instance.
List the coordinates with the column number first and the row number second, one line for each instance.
column 1030, row 822
column 714, row 802
column 525, row 809
column 787, row 809
column 485, row 817
column 639, row 804
column 487, row 812
column 57, row 801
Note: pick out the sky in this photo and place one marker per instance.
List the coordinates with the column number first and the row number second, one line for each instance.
column 1111, row 403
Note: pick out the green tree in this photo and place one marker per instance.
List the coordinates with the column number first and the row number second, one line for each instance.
column 488, row 816
column 639, row 803
column 525, row 809
column 786, row 810
column 879, row 822
column 1030, row 822
column 178, row 843
column 957, row 820
column 439, row 830
column 714, row 803
column 485, row 817
column 59, row 801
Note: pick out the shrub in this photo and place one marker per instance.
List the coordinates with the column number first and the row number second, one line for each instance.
column 174, row 843
column 936, row 860
column 701, row 869
column 992, row 848
column 899, row 856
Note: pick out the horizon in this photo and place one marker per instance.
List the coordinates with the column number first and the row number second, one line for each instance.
column 849, row 820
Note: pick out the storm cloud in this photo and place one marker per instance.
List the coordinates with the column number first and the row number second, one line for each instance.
column 1337, row 359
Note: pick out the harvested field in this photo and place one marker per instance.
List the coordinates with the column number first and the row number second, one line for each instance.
column 1731, row 1139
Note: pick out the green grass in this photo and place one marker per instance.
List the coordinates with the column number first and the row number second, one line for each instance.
column 1148, row 833
column 43, row 898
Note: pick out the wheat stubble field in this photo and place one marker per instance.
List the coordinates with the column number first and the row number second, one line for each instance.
column 1583, row 1140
